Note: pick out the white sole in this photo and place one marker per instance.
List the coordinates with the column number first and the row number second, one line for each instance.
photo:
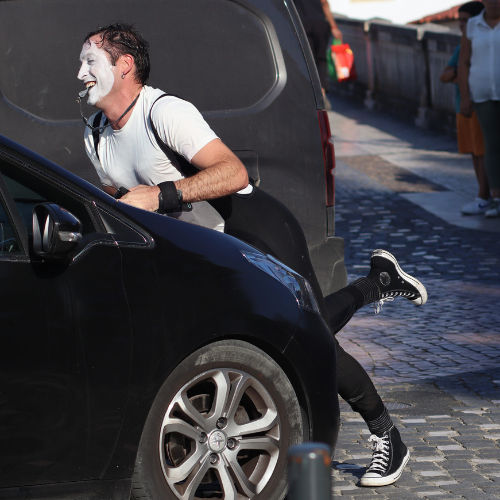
column 413, row 281
column 385, row 481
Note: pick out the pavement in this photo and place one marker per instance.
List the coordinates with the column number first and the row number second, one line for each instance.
column 437, row 367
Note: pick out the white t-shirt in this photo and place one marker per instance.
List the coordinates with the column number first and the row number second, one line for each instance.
column 131, row 155
column 484, row 75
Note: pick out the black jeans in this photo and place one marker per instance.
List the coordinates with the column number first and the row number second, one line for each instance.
column 488, row 114
column 264, row 222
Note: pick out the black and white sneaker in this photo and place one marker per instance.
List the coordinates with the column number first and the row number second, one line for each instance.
column 390, row 455
column 393, row 281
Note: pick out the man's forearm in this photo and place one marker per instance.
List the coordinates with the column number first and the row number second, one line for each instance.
column 220, row 180
column 220, row 173
column 213, row 182
column 463, row 81
column 463, row 74
column 329, row 17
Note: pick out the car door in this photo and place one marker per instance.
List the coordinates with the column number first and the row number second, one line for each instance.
column 64, row 340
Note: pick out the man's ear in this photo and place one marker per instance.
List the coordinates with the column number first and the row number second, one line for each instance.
column 126, row 64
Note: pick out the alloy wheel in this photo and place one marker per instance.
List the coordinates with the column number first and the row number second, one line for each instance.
column 220, row 437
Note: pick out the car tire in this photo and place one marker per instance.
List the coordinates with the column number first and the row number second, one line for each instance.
column 220, row 427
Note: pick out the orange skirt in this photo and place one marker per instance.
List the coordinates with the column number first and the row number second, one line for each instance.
column 469, row 135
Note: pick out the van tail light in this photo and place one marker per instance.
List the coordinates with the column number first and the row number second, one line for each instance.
column 328, row 157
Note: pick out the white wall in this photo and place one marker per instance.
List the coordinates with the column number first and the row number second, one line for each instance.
column 397, row 11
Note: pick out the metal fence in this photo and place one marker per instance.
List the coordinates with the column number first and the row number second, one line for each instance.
column 398, row 70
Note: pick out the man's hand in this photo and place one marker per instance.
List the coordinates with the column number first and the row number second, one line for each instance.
column 466, row 106
column 449, row 75
column 145, row 197
column 336, row 33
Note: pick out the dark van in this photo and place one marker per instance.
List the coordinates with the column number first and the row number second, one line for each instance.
column 245, row 64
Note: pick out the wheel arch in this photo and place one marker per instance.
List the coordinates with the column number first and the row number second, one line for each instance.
column 288, row 368
column 272, row 350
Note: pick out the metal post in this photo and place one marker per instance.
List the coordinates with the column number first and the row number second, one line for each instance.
column 309, row 472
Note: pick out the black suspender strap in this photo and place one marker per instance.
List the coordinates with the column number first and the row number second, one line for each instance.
column 178, row 161
column 96, row 131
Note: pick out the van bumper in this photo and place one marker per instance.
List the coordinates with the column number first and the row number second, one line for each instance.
column 329, row 266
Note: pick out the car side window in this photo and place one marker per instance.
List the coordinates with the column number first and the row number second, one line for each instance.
column 9, row 244
column 25, row 199
column 27, row 190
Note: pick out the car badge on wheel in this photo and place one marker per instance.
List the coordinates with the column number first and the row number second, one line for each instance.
column 217, row 441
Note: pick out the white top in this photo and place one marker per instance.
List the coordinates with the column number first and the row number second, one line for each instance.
column 131, row 155
column 484, row 75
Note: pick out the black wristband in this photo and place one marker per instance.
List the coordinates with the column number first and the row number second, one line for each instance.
column 168, row 198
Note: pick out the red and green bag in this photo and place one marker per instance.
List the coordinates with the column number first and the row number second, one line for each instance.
column 340, row 61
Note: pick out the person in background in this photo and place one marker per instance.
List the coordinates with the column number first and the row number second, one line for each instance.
column 479, row 81
column 469, row 135
column 319, row 25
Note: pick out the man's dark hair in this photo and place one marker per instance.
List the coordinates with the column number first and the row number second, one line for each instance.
column 472, row 8
column 120, row 39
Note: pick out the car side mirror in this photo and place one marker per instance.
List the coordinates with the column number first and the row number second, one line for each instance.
column 55, row 231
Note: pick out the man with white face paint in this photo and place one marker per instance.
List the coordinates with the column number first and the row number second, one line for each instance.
column 114, row 69
column 135, row 143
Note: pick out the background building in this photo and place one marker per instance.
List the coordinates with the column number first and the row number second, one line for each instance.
column 447, row 18
column 396, row 11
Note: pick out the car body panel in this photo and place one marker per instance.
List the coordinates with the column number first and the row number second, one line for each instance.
column 104, row 329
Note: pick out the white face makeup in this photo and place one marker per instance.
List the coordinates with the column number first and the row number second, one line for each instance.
column 96, row 72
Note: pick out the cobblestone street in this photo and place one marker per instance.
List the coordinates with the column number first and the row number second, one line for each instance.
column 436, row 366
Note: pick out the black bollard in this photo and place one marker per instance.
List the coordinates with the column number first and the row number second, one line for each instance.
column 309, row 472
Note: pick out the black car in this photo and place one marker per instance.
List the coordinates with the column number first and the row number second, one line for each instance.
column 144, row 356
column 246, row 64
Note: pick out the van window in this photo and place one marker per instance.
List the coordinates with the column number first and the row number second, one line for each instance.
column 218, row 54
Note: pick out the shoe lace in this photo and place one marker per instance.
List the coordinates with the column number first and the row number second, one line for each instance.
column 377, row 306
column 380, row 458
column 390, row 296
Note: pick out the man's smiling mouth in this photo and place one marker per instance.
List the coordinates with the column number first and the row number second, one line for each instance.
column 85, row 91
